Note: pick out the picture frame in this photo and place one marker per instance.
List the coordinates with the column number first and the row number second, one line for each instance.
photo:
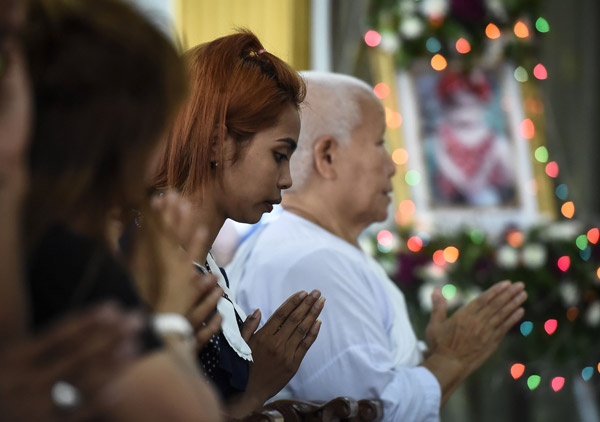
column 469, row 162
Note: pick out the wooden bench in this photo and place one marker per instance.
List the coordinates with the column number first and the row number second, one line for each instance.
column 341, row 409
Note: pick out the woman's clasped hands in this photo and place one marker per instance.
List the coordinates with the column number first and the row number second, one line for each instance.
column 280, row 345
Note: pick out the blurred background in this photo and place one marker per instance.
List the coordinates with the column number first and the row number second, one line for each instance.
column 504, row 94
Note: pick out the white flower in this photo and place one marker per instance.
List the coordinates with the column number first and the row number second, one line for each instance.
column 457, row 300
column 425, row 292
column 389, row 265
column 390, row 42
column 496, row 7
column 434, row 8
column 534, row 255
column 592, row 316
column 471, row 294
column 569, row 293
column 507, row 257
column 433, row 273
column 411, row 27
column 396, row 244
column 407, row 7
column 562, row 231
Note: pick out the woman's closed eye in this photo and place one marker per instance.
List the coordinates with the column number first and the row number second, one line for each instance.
column 279, row 157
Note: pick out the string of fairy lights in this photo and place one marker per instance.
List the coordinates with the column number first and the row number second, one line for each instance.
column 406, row 210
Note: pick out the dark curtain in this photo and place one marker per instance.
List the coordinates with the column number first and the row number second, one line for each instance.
column 572, row 99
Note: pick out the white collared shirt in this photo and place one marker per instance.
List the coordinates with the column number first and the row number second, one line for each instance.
column 366, row 347
column 226, row 309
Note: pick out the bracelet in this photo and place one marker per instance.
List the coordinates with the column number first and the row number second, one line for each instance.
column 173, row 323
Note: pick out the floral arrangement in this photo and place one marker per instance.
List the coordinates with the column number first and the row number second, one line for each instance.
column 465, row 31
column 559, row 264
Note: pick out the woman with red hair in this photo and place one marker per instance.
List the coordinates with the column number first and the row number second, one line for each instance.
column 228, row 153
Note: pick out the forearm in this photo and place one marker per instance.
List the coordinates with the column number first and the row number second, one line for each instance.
column 181, row 352
column 156, row 388
column 449, row 373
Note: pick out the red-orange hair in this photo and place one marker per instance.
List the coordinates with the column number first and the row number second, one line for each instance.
column 237, row 89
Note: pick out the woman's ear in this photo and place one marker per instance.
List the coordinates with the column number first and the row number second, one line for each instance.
column 219, row 149
column 325, row 152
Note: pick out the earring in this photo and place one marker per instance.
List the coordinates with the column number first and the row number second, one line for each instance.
column 138, row 218
column 214, row 164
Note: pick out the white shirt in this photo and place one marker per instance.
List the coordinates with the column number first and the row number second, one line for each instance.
column 366, row 347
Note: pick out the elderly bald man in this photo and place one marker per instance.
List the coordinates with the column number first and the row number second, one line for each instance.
column 367, row 347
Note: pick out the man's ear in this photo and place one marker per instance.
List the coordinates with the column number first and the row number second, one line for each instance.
column 325, row 153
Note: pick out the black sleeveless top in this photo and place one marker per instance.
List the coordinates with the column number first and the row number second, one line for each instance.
column 222, row 365
column 68, row 271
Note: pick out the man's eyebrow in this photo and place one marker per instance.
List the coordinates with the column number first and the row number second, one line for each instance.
column 293, row 145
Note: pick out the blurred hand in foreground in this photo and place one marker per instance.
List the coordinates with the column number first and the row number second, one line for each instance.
column 81, row 355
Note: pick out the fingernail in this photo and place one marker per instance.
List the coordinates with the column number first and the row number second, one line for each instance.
column 302, row 294
column 255, row 314
column 316, row 326
column 320, row 303
column 316, row 294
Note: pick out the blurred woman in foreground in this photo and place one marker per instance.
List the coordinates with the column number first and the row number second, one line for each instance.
column 105, row 84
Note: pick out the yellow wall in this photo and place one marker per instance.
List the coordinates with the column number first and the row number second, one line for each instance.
column 281, row 25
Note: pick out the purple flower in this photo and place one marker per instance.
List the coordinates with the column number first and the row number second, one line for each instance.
column 468, row 10
column 407, row 264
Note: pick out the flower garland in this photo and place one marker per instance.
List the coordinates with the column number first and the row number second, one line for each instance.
column 467, row 32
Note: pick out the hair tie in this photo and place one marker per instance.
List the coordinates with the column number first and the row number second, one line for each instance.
column 257, row 53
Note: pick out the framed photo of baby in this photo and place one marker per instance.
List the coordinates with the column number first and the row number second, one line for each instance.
column 461, row 130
